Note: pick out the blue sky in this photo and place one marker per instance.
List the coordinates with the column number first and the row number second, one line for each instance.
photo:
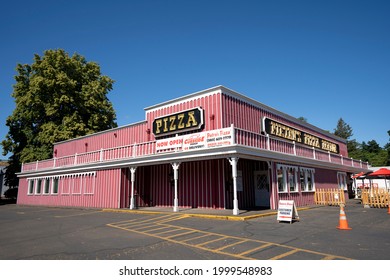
column 318, row 59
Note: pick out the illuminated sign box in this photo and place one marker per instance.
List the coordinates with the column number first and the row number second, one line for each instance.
column 274, row 128
column 179, row 122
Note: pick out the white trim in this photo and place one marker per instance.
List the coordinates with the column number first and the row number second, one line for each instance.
column 182, row 99
column 89, row 173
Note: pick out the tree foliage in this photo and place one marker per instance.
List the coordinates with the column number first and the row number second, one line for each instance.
column 57, row 97
column 343, row 130
column 369, row 152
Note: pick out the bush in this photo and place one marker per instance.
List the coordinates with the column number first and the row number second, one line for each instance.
column 11, row 193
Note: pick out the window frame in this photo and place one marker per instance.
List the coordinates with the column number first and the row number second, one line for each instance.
column 342, row 181
column 31, row 187
column 38, row 189
column 55, row 185
column 46, row 186
column 309, row 179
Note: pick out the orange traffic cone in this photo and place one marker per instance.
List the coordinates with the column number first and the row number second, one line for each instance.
column 343, row 223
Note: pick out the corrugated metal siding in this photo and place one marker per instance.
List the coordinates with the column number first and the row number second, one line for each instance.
column 323, row 178
column 98, row 191
column 211, row 105
column 246, row 198
column 248, row 117
column 112, row 138
column 200, row 185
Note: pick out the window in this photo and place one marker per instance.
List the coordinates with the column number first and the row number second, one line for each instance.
column 307, row 179
column 292, row 181
column 342, row 180
column 46, row 188
column 30, row 186
column 77, row 184
column 55, row 186
column 302, row 179
column 88, row 183
column 281, row 180
column 39, row 186
column 287, row 178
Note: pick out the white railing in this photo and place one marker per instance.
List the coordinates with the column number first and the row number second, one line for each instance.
column 241, row 137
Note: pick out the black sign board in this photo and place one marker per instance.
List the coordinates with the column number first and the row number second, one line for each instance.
column 274, row 128
column 178, row 122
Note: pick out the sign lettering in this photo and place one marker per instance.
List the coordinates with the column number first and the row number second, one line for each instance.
column 179, row 122
column 280, row 130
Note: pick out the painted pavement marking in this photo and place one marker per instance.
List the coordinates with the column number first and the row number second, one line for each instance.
column 237, row 247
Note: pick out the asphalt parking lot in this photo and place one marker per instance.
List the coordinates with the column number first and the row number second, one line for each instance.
column 47, row 233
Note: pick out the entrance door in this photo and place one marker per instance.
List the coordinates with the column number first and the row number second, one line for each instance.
column 262, row 193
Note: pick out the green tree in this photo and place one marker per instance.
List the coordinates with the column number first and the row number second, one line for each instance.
column 387, row 148
column 57, row 97
column 343, row 129
column 303, row 119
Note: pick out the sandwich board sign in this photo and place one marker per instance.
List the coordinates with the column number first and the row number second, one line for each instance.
column 287, row 212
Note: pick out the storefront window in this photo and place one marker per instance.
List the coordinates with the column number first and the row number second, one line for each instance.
column 342, row 180
column 55, row 186
column 39, row 186
column 47, row 186
column 281, row 180
column 302, row 179
column 307, row 179
column 31, row 187
column 292, row 179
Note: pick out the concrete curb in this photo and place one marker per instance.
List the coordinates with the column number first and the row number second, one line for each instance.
column 202, row 216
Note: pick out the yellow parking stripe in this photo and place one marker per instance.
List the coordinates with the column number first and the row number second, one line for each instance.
column 211, row 241
column 157, row 227
column 231, row 245
column 256, row 249
column 278, row 257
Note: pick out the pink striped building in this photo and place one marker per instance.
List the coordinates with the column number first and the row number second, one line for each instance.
column 211, row 149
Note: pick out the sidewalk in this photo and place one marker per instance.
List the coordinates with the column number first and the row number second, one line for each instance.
column 224, row 214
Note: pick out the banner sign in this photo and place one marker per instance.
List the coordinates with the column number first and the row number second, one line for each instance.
column 280, row 130
column 287, row 211
column 169, row 143
column 178, row 122
column 194, row 141
column 219, row 137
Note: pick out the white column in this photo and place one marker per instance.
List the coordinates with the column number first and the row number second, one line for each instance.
column 233, row 161
column 132, row 202
column 175, row 166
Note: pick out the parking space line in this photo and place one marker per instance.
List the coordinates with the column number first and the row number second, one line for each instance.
column 160, row 223
column 79, row 214
column 158, row 228
column 329, row 257
column 278, row 257
column 196, row 237
column 168, row 231
column 211, row 241
column 256, row 249
column 231, row 245
column 181, row 234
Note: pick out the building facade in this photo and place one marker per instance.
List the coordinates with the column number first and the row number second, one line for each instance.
column 211, row 149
